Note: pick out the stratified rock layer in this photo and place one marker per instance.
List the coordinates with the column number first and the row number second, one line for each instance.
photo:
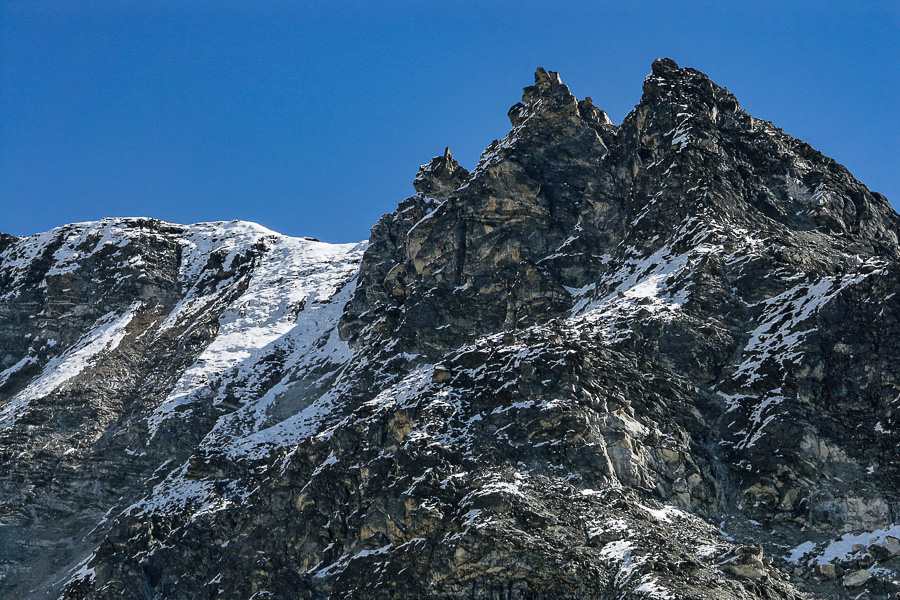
column 654, row 360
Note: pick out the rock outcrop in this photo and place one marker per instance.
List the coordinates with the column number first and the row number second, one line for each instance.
column 653, row 360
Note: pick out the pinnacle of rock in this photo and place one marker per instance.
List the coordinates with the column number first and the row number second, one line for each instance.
column 441, row 177
column 664, row 66
column 669, row 83
column 548, row 95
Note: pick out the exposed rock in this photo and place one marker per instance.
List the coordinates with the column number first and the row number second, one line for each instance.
column 441, row 374
column 440, row 178
column 886, row 549
column 123, row 342
column 827, row 570
column 856, row 578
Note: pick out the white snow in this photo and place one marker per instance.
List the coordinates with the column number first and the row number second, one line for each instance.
column 277, row 302
column 618, row 550
column 800, row 551
column 470, row 517
column 71, row 245
column 287, row 306
column 87, row 238
column 783, row 325
column 500, row 487
column 620, row 553
column 664, row 514
column 841, row 547
column 651, row 588
column 640, row 284
column 179, row 492
column 81, row 572
column 779, row 332
column 6, row 374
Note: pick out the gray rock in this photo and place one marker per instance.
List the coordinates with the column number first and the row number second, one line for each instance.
column 441, row 177
column 856, row 578
column 885, row 549
column 827, row 570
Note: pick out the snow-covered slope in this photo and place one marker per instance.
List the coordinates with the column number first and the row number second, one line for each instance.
column 134, row 342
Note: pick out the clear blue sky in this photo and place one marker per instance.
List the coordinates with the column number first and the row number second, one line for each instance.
column 312, row 117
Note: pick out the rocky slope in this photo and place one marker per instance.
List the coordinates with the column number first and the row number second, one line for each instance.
column 127, row 345
column 653, row 360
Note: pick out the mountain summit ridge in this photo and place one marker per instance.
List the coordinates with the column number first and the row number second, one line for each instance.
column 649, row 360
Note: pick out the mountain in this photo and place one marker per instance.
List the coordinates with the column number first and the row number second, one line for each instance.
column 652, row 360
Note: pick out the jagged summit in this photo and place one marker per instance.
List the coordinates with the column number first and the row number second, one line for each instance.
column 550, row 94
column 666, row 68
column 565, row 178
column 440, row 177
column 549, row 88
column 700, row 241
column 655, row 360
column 688, row 89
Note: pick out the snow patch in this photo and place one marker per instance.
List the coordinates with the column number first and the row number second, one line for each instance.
column 287, row 307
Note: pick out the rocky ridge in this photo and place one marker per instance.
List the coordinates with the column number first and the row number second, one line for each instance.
column 652, row 360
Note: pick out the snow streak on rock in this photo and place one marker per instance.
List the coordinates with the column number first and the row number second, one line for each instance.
column 104, row 336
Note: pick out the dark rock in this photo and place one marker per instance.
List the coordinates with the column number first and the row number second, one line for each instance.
column 827, row 570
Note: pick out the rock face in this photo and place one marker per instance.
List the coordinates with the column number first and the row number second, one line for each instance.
column 654, row 360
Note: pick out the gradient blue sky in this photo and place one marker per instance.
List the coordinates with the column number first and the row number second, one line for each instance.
column 312, row 117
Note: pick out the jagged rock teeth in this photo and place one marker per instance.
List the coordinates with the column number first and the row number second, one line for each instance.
column 664, row 66
column 548, row 95
column 592, row 114
column 672, row 84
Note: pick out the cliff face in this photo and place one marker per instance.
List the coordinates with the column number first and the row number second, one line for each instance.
column 656, row 360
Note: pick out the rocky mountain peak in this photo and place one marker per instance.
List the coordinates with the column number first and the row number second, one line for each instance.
column 592, row 114
column 548, row 95
column 547, row 84
column 687, row 91
column 656, row 360
column 440, row 177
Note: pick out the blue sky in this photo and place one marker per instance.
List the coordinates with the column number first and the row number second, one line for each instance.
column 312, row 117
